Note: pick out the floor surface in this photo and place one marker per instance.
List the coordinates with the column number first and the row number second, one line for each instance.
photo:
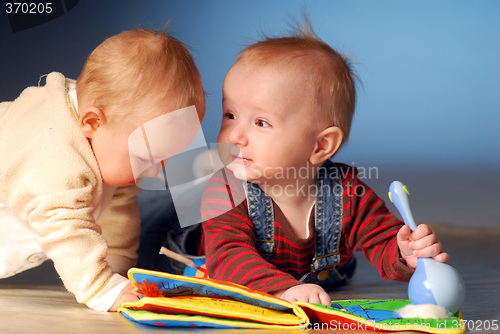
column 36, row 302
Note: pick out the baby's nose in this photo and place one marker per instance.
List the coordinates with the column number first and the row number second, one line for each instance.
column 238, row 135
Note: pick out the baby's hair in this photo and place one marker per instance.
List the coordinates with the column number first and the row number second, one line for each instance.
column 137, row 70
column 308, row 58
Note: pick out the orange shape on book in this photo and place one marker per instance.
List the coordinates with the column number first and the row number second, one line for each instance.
column 148, row 290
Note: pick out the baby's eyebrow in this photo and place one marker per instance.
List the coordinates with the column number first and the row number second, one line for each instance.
column 274, row 114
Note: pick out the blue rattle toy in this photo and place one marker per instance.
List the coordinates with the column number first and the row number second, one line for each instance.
column 432, row 282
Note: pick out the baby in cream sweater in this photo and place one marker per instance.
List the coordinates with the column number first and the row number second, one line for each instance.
column 72, row 154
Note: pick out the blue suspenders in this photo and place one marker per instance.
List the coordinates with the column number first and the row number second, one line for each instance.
column 328, row 221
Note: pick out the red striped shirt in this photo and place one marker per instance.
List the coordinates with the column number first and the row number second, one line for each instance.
column 229, row 242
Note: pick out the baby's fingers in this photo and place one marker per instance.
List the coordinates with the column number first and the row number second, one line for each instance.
column 404, row 233
column 320, row 298
column 442, row 257
column 325, row 299
column 425, row 242
column 422, row 231
column 314, row 298
column 434, row 251
column 426, row 250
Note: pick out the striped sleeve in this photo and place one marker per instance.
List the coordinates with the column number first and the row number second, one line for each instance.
column 372, row 228
column 228, row 237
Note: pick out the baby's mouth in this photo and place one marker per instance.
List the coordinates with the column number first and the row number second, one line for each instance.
column 238, row 158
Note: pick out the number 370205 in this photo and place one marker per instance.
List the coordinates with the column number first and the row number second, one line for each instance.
column 28, row 8
column 478, row 325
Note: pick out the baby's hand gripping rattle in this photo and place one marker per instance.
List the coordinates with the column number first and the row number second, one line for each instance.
column 432, row 282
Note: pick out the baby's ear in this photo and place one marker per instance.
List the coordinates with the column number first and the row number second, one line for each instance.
column 328, row 142
column 91, row 118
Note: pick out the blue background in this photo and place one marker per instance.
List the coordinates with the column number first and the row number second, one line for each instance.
column 428, row 102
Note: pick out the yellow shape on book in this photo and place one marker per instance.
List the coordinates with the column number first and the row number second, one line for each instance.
column 217, row 307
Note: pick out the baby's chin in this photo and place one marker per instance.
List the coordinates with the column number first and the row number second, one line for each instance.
column 239, row 171
column 246, row 170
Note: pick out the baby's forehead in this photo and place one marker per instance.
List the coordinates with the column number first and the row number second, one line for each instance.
column 298, row 77
column 288, row 73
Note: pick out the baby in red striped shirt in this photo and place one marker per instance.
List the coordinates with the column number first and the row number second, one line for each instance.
column 287, row 108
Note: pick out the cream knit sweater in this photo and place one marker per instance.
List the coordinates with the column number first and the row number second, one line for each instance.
column 50, row 179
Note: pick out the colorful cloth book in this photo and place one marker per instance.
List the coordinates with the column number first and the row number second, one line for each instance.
column 169, row 300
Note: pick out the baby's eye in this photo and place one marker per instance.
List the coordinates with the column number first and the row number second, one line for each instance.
column 229, row 115
column 262, row 123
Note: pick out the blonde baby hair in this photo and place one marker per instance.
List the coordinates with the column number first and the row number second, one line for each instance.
column 139, row 69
